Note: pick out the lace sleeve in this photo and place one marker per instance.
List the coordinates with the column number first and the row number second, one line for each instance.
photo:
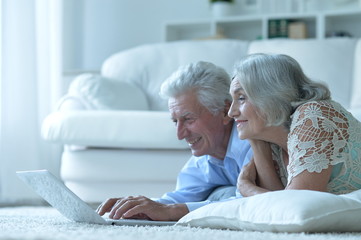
column 317, row 138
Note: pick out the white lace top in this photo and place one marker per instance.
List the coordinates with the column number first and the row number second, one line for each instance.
column 321, row 134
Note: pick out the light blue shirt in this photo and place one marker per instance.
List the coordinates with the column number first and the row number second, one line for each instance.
column 201, row 175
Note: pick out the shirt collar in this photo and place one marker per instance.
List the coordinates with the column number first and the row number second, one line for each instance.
column 232, row 152
column 234, row 140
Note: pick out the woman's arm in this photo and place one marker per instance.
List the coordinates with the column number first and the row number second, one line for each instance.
column 311, row 180
column 267, row 176
column 260, row 174
column 317, row 138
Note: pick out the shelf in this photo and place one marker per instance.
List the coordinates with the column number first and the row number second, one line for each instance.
column 188, row 30
column 251, row 27
column 246, row 29
column 339, row 23
column 308, row 22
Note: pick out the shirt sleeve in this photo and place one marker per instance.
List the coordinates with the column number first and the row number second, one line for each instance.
column 317, row 137
column 196, row 181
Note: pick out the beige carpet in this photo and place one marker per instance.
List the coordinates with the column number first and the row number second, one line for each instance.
column 46, row 223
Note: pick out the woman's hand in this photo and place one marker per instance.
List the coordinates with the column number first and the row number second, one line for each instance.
column 267, row 176
column 247, row 181
column 248, row 174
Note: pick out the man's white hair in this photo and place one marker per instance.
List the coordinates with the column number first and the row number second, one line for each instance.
column 209, row 82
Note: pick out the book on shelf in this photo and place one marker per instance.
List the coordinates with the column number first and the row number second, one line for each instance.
column 297, row 30
column 286, row 28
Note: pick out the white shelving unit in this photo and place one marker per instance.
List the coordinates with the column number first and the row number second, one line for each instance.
column 251, row 27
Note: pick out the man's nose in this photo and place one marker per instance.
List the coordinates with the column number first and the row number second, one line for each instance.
column 181, row 131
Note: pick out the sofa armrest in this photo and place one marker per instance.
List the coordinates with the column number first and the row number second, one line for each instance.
column 118, row 129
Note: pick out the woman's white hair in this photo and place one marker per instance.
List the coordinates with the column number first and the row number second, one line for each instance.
column 210, row 83
column 276, row 85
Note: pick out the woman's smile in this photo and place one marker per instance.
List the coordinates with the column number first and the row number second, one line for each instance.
column 241, row 123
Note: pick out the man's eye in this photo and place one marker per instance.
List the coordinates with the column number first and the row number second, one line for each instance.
column 241, row 98
column 189, row 120
column 175, row 122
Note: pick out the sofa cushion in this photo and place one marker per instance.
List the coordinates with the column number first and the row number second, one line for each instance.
column 330, row 61
column 117, row 129
column 147, row 66
column 129, row 165
column 283, row 211
column 94, row 92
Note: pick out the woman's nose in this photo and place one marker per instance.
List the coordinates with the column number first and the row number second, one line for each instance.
column 231, row 111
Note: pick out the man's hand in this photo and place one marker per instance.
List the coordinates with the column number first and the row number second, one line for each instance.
column 142, row 208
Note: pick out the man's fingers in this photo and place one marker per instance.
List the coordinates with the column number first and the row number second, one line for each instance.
column 137, row 210
column 106, row 206
column 124, row 205
column 113, row 213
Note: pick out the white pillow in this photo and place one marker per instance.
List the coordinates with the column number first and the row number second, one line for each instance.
column 94, row 92
column 282, row 211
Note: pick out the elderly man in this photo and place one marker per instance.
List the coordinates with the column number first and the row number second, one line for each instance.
column 198, row 100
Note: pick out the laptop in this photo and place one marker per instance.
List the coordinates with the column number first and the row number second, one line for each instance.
column 54, row 191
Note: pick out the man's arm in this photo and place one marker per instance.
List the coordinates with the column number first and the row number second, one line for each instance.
column 194, row 184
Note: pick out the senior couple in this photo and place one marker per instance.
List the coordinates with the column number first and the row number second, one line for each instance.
column 270, row 128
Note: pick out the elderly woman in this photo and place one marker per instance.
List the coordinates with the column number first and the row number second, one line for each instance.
column 300, row 138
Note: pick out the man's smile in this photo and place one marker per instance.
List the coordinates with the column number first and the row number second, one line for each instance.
column 193, row 141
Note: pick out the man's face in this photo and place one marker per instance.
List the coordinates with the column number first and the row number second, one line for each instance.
column 205, row 133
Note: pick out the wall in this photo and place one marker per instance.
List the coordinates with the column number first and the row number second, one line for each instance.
column 95, row 29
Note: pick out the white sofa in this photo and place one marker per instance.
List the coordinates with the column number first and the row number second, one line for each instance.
column 117, row 134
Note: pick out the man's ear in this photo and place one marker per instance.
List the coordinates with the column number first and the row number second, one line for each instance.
column 226, row 118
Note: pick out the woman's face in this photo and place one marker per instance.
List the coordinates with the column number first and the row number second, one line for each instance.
column 249, row 124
